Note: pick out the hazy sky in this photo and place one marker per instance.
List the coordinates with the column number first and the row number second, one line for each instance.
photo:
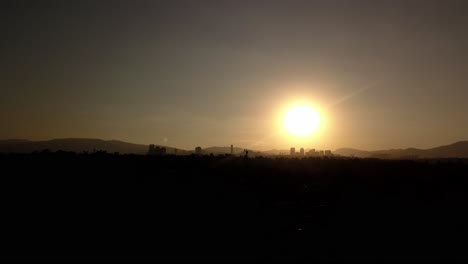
column 386, row 74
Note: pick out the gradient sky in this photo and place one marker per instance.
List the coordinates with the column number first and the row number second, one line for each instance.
column 387, row 74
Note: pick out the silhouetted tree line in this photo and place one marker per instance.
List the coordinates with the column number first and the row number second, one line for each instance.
column 105, row 205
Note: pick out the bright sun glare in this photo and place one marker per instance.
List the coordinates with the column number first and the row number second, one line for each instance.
column 302, row 121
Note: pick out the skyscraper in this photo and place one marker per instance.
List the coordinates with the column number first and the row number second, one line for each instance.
column 198, row 150
column 312, row 153
column 302, row 152
column 232, row 149
column 292, row 152
column 151, row 149
column 156, row 150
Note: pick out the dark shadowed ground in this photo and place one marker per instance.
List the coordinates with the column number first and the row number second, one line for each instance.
column 66, row 206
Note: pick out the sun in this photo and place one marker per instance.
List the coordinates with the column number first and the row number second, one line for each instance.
column 302, row 121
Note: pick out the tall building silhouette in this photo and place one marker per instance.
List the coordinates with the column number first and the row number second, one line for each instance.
column 156, row 150
column 312, row 153
column 232, row 149
column 301, row 152
column 151, row 149
column 198, row 150
column 292, row 151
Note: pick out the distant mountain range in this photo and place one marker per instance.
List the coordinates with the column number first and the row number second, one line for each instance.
column 71, row 144
column 91, row 145
column 222, row 150
column 455, row 150
column 459, row 149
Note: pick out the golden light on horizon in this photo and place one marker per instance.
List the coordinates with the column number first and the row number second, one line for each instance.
column 302, row 121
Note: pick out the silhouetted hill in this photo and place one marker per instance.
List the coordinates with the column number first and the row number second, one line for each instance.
column 71, row 144
column 458, row 149
column 353, row 152
column 13, row 141
column 89, row 144
column 455, row 150
column 222, row 150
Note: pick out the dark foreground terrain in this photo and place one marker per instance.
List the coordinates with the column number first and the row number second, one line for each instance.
column 65, row 205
